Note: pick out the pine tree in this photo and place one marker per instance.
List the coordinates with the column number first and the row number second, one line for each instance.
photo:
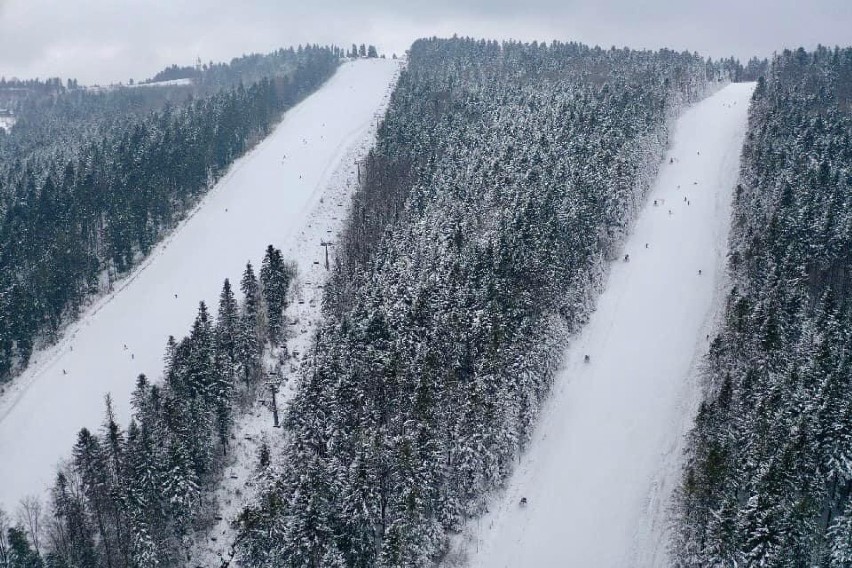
column 200, row 368
column 143, row 495
column 181, row 491
column 89, row 465
column 227, row 326
column 275, row 277
column 116, row 479
column 249, row 344
column 21, row 555
column 223, row 390
column 79, row 542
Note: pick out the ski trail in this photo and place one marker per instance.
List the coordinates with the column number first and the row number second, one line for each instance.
column 323, row 220
column 263, row 199
column 605, row 457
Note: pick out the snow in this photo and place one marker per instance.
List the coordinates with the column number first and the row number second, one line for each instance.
column 322, row 224
column 267, row 197
column 170, row 83
column 601, row 467
column 107, row 88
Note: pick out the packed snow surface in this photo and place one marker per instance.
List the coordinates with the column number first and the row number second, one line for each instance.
column 169, row 83
column 603, row 462
column 265, row 198
column 237, row 488
column 107, row 88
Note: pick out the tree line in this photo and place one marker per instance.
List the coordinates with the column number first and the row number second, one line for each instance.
column 247, row 69
column 768, row 479
column 135, row 497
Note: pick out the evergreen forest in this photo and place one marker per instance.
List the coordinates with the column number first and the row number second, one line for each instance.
column 504, row 177
column 91, row 181
column 768, row 480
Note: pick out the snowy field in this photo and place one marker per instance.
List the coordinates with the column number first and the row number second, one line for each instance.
column 169, row 83
column 7, row 122
column 276, row 194
column 606, row 455
column 109, row 88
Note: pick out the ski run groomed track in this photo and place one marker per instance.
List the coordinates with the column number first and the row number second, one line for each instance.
column 266, row 198
column 605, row 457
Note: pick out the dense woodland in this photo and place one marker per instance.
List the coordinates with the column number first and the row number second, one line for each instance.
column 769, row 477
column 248, row 68
column 504, row 175
column 135, row 497
column 90, row 181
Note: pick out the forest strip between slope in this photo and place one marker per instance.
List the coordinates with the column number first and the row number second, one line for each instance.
column 503, row 176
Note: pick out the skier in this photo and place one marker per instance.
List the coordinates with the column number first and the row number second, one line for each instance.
column 684, row 199
column 626, row 258
column 655, row 203
column 586, row 359
column 670, row 211
column 699, row 272
column 63, row 372
column 175, row 296
column 646, row 245
column 523, row 502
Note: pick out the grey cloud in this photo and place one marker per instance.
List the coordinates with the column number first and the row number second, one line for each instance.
column 113, row 40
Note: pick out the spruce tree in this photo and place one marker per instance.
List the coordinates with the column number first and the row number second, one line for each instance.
column 275, row 277
column 20, row 554
column 249, row 333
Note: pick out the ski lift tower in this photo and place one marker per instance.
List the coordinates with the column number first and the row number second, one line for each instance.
column 272, row 383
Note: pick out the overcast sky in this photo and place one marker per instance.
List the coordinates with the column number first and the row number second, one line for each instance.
column 102, row 41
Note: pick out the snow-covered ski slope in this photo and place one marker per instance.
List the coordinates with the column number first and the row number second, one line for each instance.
column 265, row 198
column 603, row 462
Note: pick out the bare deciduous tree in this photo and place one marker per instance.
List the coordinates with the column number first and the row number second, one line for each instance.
column 4, row 543
column 29, row 515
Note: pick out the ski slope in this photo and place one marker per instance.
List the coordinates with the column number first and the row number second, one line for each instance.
column 604, row 460
column 237, row 488
column 265, row 198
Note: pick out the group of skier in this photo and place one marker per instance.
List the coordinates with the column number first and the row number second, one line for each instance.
column 586, row 357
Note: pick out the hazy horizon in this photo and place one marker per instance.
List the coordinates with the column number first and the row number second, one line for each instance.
column 110, row 41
